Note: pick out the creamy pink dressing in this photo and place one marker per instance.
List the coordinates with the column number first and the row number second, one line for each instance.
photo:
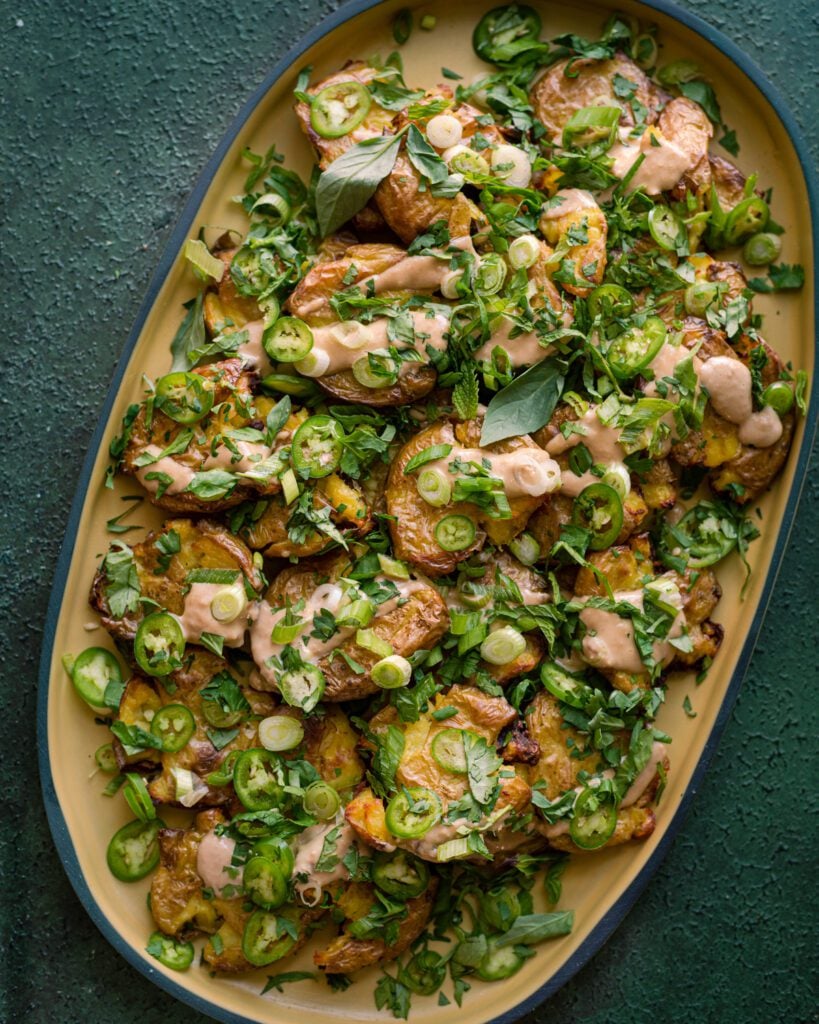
column 523, row 350
column 602, row 442
column 664, row 364
column 609, row 641
column 524, row 472
column 250, row 454
column 662, row 168
column 761, row 429
column 632, row 795
column 213, row 862
column 252, row 351
column 197, row 617
column 180, row 474
column 330, row 596
column 429, row 330
column 573, row 200
column 310, row 844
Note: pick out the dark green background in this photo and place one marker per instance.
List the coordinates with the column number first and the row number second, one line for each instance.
column 109, row 109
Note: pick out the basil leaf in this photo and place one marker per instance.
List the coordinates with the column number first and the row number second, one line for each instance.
column 351, row 179
column 702, row 93
column 435, row 451
column 190, row 336
column 531, row 928
column 276, row 419
column 424, row 158
column 211, row 484
column 526, row 404
column 214, row 643
column 220, row 738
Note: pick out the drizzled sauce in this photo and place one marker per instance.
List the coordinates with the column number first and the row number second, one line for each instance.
column 197, row 617
column 524, row 472
column 602, row 442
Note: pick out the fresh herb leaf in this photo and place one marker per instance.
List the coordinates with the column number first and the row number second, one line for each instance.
column 526, row 404
column 190, row 336
column 351, row 179
column 122, row 590
column 278, row 981
column 530, row 929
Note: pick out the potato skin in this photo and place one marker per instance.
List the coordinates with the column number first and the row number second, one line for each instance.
column 204, row 544
column 224, row 308
column 177, row 904
column 346, row 954
column 415, row 381
column 555, row 97
column 414, row 523
column 349, row 512
column 684, row 123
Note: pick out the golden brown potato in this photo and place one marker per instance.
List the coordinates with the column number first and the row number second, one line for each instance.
column 476, row 711
column 346, row 954
column 625, row 566
column 413, row 626
column 559, row 767
column 177, row 904
column 414, row 523
column 588, row 258
column 728, row 181
column 376, row 122
column 685, row 123
column 224, row 308
column 267, row 529
column 555, row 97
column 659, row 485
column 203, row 544
column 234, row 407
column 409, row 622
column 331, row 745
column 311, row 297
column 415, row 381
column 143, row 698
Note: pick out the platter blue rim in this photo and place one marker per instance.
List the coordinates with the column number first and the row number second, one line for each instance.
column 609, row 922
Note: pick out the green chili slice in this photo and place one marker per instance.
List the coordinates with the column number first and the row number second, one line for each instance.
column 504, row 31
column 339, row 109
column 448, row 750
column 594, row 819
column 287, row 340
column 666, row 228
column 174, row 725
column 779, row 396
column 610, row 302
column 264, row 940
column 316, row 449
column 265, row 883
column 258, row 779
column 563, row 685
column 423, row 973
column 413, row 812
column 455, row 533
column 400, row 875
column 184, row 397
column 133, row 851
column 170, row 952
column 747, row 218
column 632, row 351
column 92, row 672
column 598, row 508
column 159, row 644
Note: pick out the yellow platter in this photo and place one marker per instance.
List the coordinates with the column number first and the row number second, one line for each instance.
column 600, row 889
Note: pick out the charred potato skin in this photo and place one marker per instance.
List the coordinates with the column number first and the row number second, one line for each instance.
column 225, row 308
column 204, row 544
column 415, row 381
column 346, row 954
column 555, row 97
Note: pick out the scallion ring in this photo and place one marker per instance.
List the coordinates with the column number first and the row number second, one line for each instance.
column 503, row 645
column 391, row 672
column 434, row 486
column 321, row 800
column 280, row 732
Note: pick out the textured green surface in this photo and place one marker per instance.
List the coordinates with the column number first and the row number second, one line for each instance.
column 108, row 112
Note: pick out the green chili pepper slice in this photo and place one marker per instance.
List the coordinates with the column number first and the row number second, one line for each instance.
column 610, row 302
column 302, row 687
column 138, row 798
column 594, row 819
column 455, row 533
column 666, row 228
column 339, row 108
column 779, row 396
column 170, row 952
column 762, row 249
column 91, row 673
column 106, row 759
column 223, row 775
column 316, row 448
column 448, row 750
column 258, row 780
column 184, row 397
column 174, row 725
column 400, row 875
column 499, row 907
column 598, row 508
column 747, row 218
column 287, row 340
column 632, row 351
column 499, row 34
column 159, row 644
column 702, row 537
column 278, row 851
column 264, row 940
column 413, row 812
column 563, row 685
column 265, row 883
column 423, row 973
column 499, row 962
column 133, row 851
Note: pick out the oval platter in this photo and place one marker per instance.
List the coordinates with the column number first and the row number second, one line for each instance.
column 602, row 889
